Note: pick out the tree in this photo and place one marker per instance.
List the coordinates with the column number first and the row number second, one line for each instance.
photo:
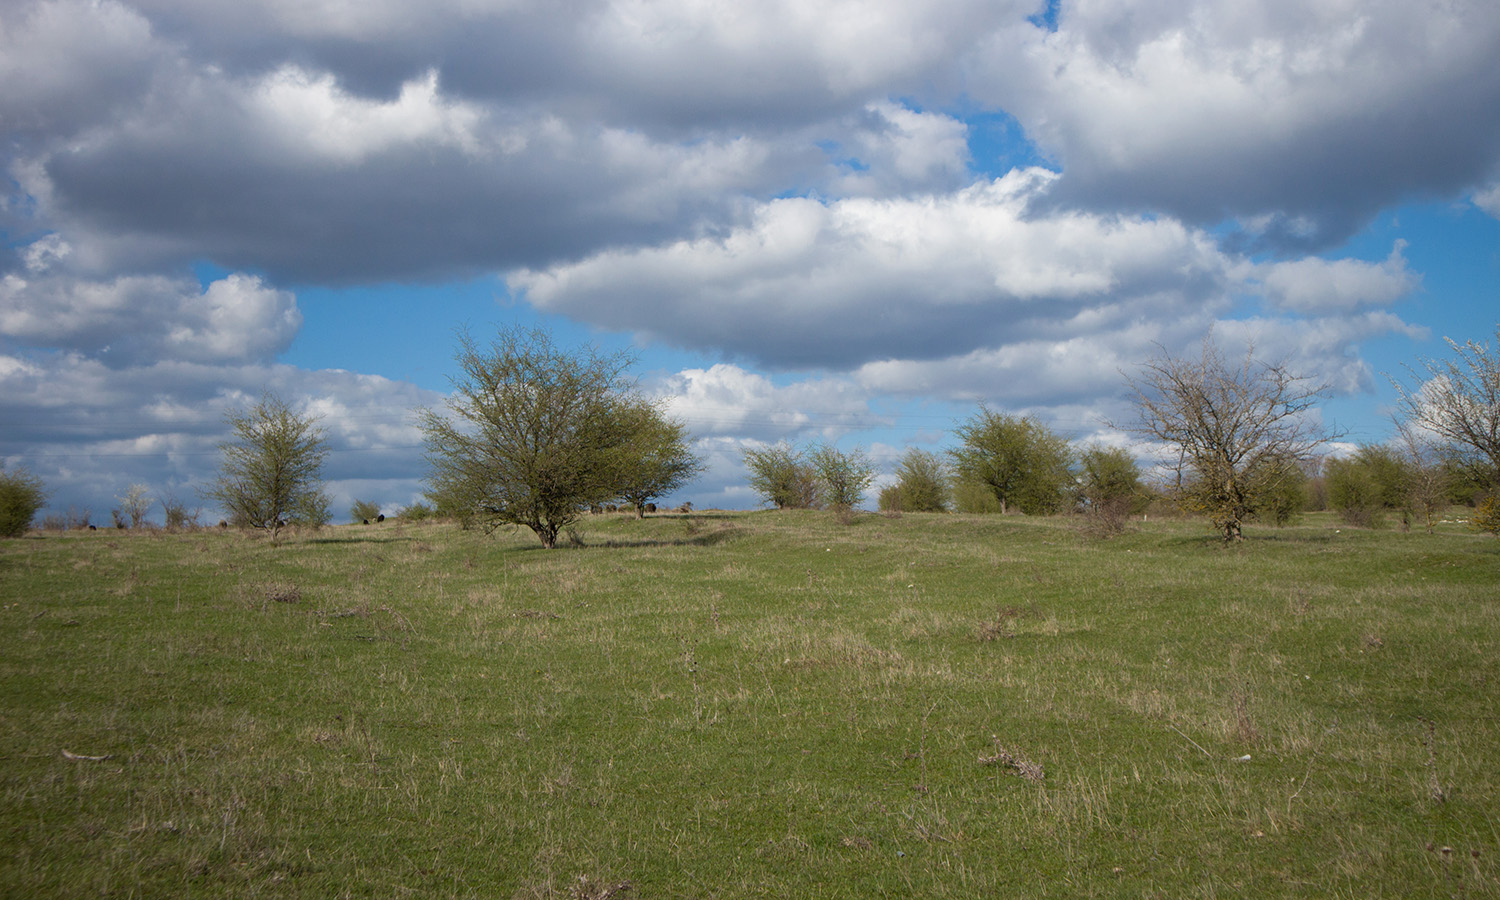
column 842, row 477
column 1429, row 475
column 656, row 458
column 21, row 495
column 779, row 474
column 135, row 503
column 365, row 511
column 1109, row 488
column 921, row 484
column 1237, row 432
column 1366, row 485
column 1458, row 401
column 535, row 435
column 1022, row 462
column 271, row 473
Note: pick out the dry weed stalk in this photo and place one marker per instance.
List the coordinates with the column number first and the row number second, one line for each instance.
column 1031, row 771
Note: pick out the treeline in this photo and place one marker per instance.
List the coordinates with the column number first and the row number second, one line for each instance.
column 535, row 435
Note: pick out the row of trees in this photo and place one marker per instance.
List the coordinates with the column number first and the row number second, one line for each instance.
column 822, row 476
column 1239, row 436
column 535, row 435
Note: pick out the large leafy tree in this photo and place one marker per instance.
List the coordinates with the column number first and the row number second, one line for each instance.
column 1235, row 432
column 656, row 458
column 271, row 473
column 1020, row 460
column 534, row 434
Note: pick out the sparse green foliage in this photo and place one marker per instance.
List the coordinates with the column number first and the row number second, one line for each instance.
column 842, row 476
column 1429, row 477
column 537, row 434
column 271, row 474
column 656, row 458
column 921, row 484
column 779, row 474
column 1286, row 494
column 1365, row 486
column 1109, row 486
column 364, row 511
column 177, row 515
column 1236, row 432
column 1486, row 516
column 974, row 497
column 135, row 503
column 1022, row 462
column 21, row 495
column 416, row 512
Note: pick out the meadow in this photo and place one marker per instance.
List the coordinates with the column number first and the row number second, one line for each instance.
column 765, row 704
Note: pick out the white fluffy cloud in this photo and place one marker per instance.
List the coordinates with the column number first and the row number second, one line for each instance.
column 841, row 283
column 1314, row 285
column 134, row 319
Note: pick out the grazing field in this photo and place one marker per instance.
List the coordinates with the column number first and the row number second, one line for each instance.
column 752, row 705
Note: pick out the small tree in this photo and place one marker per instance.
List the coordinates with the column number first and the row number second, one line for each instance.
column 1429, row 475
column 656, row 459
column 1458, row 401
column 135, row 503
column 779, row 474
column 1023, row 462
column 176, row 514
column 21, row 495
column 271, row 474
column 921, row 484
column 364, row 511
column 1237, row 432
column 842, row 477
column 1109, row 488
column 537, row 434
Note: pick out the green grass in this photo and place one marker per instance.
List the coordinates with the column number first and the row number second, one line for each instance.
column 752, row 705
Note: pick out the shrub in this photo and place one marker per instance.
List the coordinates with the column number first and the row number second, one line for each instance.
column 363, row 511
column 21, row 495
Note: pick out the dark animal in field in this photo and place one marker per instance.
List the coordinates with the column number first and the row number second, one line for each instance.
column 380, row 518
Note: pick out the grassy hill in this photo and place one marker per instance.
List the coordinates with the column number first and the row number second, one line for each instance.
column 751, row 705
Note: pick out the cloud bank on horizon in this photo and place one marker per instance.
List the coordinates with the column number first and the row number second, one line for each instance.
column 803, row 197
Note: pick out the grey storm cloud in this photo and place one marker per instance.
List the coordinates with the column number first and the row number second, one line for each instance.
column 1299, row 119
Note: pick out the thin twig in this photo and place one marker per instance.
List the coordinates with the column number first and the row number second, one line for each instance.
column 1190, row 740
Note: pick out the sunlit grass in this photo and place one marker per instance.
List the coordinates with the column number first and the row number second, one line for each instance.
column 759, row 704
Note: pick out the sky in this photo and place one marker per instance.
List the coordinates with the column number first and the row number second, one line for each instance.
column 808, row 220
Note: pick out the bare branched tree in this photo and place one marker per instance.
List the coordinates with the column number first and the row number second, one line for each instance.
column 1458, row 401
column 1234, row 431
column 1429, row 475
column 135, row 503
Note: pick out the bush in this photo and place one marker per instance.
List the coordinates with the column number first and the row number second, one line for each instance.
column 363, row 511
column 21, row 495
column 1486, row 515
column 178, row 517
column 921, row 484
column 417, row 512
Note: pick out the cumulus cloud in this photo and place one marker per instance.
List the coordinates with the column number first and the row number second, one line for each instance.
column 1309, row 114
column 726, row 399
column 837, row 284
column 140, row 318
column 1314, row 285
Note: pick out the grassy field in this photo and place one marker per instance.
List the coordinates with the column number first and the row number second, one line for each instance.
column 752, row 705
